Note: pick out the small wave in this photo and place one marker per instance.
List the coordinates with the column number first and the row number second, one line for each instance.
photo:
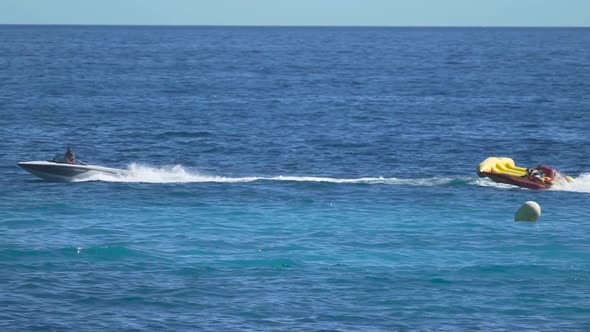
column 109, row 252
column 178, row 174
column 183, row 134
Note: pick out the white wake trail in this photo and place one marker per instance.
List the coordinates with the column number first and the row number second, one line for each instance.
column 137, row 173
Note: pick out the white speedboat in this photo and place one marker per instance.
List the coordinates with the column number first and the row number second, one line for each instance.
column 56, row 170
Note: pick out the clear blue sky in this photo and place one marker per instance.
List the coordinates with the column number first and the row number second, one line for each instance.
column 300, row 12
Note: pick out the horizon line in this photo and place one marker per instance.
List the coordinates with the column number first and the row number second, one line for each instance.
column 294, row 25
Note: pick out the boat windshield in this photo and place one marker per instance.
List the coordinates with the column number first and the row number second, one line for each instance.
column 59, row 158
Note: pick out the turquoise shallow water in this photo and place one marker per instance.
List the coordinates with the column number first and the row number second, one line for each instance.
column 293, row 179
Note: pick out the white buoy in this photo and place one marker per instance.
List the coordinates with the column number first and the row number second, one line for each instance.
column 529, row 211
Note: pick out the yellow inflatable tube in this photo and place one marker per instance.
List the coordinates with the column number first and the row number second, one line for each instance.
column 502, row 165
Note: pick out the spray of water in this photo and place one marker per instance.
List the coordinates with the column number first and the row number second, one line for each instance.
column 580, row 184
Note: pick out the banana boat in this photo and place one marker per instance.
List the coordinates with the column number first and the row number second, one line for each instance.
column 504, row 170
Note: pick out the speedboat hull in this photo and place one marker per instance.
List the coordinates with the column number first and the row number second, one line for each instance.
column 63, row 172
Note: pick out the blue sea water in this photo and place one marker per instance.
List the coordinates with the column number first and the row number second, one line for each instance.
column 293, row 179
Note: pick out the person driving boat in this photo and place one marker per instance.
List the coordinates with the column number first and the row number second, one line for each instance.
column 70, row 157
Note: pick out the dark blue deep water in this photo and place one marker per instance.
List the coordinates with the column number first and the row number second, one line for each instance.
column 293, row 179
